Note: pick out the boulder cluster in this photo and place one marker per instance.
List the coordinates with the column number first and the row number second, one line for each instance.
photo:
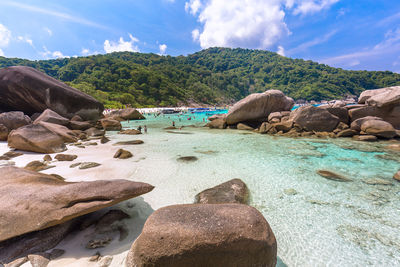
column 37, row 211
column 376, row 116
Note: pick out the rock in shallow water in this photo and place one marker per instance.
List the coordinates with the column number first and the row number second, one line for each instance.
column 233, row 191
column 333, row 176
column 65, row 157
column 32, row 201
column 187, row 159
column 127, row 143
column 205, row 235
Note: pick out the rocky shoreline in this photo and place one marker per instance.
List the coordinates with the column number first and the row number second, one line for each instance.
column 39, row 210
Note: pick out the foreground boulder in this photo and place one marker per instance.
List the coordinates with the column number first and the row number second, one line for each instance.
column 126, row 114
column 257, row 107
column 31, row 91
column 205, row 235
column 233, row 191
column 36, row 138
column 316, row 119
column 31, row 201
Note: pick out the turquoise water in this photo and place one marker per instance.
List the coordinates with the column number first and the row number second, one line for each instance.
column 317, row 222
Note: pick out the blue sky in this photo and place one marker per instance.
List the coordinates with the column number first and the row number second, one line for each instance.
column 351, row 34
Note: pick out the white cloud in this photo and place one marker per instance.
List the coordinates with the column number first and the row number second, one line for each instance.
column 314, row 42
column 5, row 36
column 1, row 53
column 281, row 50
column 163, row 49
column 48, row 54
column 253, row 24
column 121, row 45
column 305, row 7
column 193, row 6
column 25, row 40
column 195, row 34
column 85, row 52
column 49, row 32
column 386, row 48
column 60, row 15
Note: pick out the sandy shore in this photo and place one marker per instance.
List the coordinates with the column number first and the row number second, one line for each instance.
column 138, row 208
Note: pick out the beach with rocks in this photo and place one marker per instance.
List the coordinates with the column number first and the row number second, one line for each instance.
column 262, row 184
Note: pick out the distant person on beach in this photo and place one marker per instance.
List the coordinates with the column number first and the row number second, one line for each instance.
column 140, row 128
column 173, row 124
column 145, row 129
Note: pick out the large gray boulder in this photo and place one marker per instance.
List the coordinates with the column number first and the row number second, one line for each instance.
column 204, row 235
column 316, row 119
column 378, row 128
column 233, row 191
column 36, row 138
column 383, row 103
column 126, row 114
column 52, row 117
column 31, row 201
column 257, row 107
column 31, row 91
column 15, row 119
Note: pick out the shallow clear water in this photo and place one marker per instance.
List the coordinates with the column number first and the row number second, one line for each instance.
column 326, row 223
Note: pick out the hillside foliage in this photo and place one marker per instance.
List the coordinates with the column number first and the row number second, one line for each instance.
column 212, row 76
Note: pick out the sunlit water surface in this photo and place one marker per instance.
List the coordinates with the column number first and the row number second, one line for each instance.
column 317, row 222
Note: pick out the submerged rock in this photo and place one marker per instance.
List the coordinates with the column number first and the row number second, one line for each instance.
column 187, row 159
column 245, row 127
column 127, row 143
column 333, row 176
column 366, row 138
column 205, row 235
column 130, row 132
column 31, row 201
column 31, row 91
column 377, row 181
column 396, row 176
column 88, row 165
column 233, row 191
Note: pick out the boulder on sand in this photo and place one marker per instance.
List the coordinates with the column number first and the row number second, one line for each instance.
column 233, row 191
column 31, row 201
column 3, row 132
column 31, row 91
column 66, row 134
column 14, row 119
column 52, row 117
column 316, row 119
column 257, row 107
column 36, row 138
column 126, row 114
column 205, row 235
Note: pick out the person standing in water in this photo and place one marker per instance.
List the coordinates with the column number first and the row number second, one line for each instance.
column 140, row 128
column 173, row 123
column 145, row 129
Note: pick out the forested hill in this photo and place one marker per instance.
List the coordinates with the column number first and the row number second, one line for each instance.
column 211, row 76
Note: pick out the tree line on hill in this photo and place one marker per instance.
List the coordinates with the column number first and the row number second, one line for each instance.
column 212, row 76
